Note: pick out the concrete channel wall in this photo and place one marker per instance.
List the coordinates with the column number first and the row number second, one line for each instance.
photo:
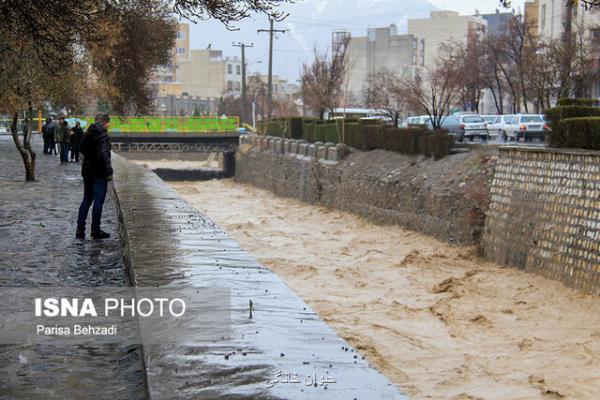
column 276, row 348
column 541, row 211
column 421, row 194
column 544, row 216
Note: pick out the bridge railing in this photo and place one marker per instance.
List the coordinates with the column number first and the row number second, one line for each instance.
column 170, row 124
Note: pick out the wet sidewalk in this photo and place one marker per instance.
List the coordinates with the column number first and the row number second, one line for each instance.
column 38, row 249
column 277, row 347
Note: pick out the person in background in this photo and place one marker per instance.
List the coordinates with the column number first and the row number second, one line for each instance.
column 76, row 136
column 45, row 136
column 97, row 171
column 52, row 137
column 62, row 136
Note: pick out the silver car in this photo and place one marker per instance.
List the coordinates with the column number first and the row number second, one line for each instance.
column 466, row 126
column 527, row 127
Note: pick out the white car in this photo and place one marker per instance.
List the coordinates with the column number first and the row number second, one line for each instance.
column 497, row 127
column 526, row 126
column 419, row 120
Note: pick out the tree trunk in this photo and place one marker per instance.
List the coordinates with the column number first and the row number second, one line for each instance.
column 567, row 40
column 24, row 149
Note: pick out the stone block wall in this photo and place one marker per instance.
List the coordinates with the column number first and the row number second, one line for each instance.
column 544, row 215
column 431, row 196
column 328, row 152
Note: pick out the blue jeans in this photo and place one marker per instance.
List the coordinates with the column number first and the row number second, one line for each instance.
column 64, row 152
column 94, row 191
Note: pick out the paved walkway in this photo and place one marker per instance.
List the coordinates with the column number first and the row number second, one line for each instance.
column 38, row 248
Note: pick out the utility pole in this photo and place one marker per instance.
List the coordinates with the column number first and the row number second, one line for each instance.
column 271, row 32
column 244, row 95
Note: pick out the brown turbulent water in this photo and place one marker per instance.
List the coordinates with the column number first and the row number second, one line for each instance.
column 439, row 322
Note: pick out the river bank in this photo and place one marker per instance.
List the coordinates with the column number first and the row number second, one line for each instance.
column 438, row 321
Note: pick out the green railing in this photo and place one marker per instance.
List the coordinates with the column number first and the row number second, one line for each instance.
column 153, row 124
column 170, row 124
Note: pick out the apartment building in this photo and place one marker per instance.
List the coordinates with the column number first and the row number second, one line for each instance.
column 443, row 26
column 382, row 48
column 195, row 78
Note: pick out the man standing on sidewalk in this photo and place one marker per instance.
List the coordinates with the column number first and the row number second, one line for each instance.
column 62, row 135
column 96, row 171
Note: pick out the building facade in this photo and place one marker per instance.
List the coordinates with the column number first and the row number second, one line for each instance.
column 498, row 24
column 382, row 48
column 195, row 79
column 444, row 26
column 167, row 78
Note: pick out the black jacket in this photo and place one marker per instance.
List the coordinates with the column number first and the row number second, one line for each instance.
column 95, row 147
column 76, row 137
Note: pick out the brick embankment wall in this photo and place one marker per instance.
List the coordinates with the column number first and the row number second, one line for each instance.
column 445, row 198
column 544, row 216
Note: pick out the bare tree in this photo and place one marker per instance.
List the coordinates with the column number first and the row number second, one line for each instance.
column 383, row 90
column 437, row 91
column 323, row 80
column 120, row 42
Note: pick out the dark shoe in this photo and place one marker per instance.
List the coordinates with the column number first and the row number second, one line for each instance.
column 80, row 234
column 100, row 235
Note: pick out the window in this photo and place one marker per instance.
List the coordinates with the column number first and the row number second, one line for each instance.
column 414, row 43
column 531, row 118
column 543, row 17
column 229, row 85
column 422, row 45
column 414, row 58
column 180, row 35
column 229, row 69
column 237, row 85
column 238, row 69
column 422, row 59
column 180, row 50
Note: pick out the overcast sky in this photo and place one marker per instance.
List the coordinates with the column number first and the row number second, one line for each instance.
column 311, row 22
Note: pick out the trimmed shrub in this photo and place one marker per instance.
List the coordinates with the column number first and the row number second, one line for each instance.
column 309, row 131
column 436, row 144
column 353, row 136
column 557, row 137
column 374, row 136
column 577, row 102
column 327, row 132
column 582, row 132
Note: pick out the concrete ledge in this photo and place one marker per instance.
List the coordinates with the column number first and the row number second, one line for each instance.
column 318, row 151
column 169, row 243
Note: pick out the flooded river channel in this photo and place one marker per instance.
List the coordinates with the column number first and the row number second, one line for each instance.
column 438, row 321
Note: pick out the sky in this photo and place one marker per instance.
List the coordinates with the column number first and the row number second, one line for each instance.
column 311, row 22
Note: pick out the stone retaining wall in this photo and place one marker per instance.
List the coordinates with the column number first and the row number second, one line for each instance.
column 318, row 150
column 545, row 215
column 433, row 197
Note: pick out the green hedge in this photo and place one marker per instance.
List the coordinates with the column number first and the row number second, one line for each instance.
column 581, row 133
column 577, row 102
column 363, row 135
column 558, row 137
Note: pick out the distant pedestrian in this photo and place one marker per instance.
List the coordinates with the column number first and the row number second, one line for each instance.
column 62, row 136
column 97, row 172
column 76, row 136
column 51, row 133
column 45, row 135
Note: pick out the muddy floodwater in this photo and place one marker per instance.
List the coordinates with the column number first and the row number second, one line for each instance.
column 438, row 321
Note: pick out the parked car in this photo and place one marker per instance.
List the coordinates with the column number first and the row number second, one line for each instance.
column 466, row 126
column 496, row 128
column 417, row 120
column 526, row 126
